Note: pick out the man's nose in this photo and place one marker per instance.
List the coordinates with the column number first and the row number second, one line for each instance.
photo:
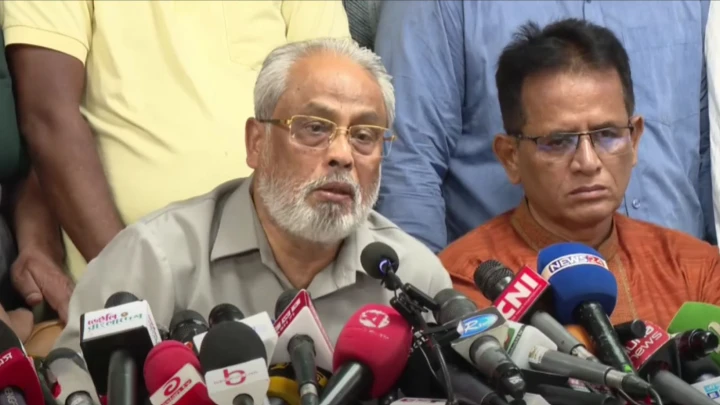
column 586, row 158
column 340, row 152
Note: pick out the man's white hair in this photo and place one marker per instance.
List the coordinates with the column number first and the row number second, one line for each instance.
column 273, row 77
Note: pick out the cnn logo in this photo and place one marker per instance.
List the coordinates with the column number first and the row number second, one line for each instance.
column 236, row 377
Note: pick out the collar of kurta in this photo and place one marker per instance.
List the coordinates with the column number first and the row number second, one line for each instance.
column 539, row 238
column 239, row 231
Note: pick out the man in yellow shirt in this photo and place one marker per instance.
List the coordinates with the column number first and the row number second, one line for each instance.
column 127, row 106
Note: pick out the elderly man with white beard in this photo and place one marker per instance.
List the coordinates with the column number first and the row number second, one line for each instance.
column 316, row 143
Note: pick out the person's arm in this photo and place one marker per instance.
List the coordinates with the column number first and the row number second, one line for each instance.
column 421, row 44
column 47, row 43
column 133, row 262
column 314, row 19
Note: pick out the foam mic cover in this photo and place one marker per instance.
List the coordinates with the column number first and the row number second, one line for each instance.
column 453, row 306
column 373, row 346
column 697, row 315
column 578, row 274
column 235, row 363
column 380, row 261
column 185, row 325
column 172, row 376
column 225, row 313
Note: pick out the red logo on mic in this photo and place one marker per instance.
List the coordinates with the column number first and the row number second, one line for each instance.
column 521, row 294
column 641, row 350
column 171, row 386
column 236, row 377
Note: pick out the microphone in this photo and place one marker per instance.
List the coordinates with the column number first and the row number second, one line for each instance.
column 55, row 360
column 585, row 292
column 452, row 306
column 225, row 313
column 517, row 298
column 172, row 376
column 544, row 359
column 631, row 330
column 695, row 344
column 235, row 363
column 521, row 340
column 652, row 355
column 185, row 325
column 284, row 387
column 419, row 378
column 301, row 337
column 260, row 323
column 114, row 341
column 18, row 378
column 370, row 354
column 697, row 315
column 479, row 343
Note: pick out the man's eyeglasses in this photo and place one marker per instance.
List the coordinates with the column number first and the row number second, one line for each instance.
column 318, row 133
column 606, row 141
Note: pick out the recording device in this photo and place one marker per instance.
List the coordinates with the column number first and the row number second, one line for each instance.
column 172, row 375
column 235, row 363
column 260, row 323
column 585, row 292
column 517, row 298
column 422, row 377
column 697, row 315
column 114, row 341
column 544, row 359
column 60, row 359
column 631, row 330
column 695, row 344
column 298, row 327
column 652, row 356
column 370, row 354
column 185, row 325
column 381, row 262
column 18, row 378
column 284, row 387
column 225, row 313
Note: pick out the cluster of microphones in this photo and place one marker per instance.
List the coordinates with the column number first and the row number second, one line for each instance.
column 547, row 339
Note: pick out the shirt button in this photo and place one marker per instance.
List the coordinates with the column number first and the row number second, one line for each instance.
column 636, row 203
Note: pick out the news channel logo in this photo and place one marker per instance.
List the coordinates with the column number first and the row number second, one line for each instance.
column 476, row 324
column 712, row 391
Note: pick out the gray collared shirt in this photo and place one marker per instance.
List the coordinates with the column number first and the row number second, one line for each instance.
column 212, row 249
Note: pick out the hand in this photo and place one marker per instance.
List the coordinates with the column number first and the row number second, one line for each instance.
column 36, row 277
column 20, row 321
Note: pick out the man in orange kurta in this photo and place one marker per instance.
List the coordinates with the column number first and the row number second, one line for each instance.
column 571, row 142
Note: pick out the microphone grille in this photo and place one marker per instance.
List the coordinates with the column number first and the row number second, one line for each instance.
column 224, row 313
column 184, row 316
column 230, row 343
column 120, row 298
column 284, row 300
column 373, row 256
column 488, row 274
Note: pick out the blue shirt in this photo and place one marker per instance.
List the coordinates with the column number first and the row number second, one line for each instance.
column 442, row 179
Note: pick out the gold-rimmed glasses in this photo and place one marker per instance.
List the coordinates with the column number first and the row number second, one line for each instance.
column 318, row 133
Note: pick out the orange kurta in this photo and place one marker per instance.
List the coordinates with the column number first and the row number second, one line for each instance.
column 657, row 269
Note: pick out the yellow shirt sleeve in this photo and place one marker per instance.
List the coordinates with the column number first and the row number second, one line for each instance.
column 314, row 19
column 64, row 26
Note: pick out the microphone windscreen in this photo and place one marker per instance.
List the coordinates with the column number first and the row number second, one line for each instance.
column 225, row 312
column 697, row 315
column 488, row 274
column 453, row 305
column 164, row 360
column 186, row 316
column 120, row 298
column 284, row 300
column 228, row 344
column 378, row 337
column 375, row 256
column 577, row 274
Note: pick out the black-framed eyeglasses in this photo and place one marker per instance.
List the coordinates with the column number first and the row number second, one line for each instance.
column 318, row 133
column 606, row 141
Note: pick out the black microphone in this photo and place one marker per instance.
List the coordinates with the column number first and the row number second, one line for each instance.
column 185, row 325
column 631, row 330
column 520, row 297
column 695, row 344
column 225, row 313
column 114, row 341
column 301, row 348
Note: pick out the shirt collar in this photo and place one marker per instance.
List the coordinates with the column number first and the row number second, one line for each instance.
column 539, row 238
column 239, row 231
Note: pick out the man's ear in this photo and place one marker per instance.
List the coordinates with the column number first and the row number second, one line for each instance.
column 506, row 150
column 638, row 123
column 254, row 138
